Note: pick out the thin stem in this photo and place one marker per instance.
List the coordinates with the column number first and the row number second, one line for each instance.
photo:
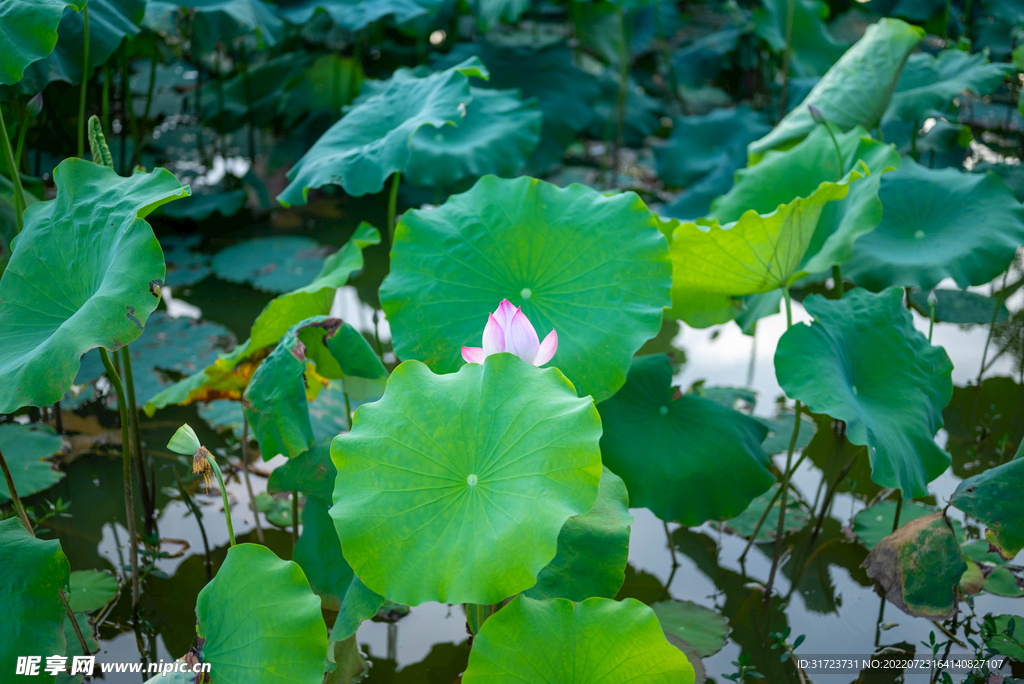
column 199, row 520
column 15, row 499
column 105, row 99
column 74, row 623
column 991, row 328
column 396, row 178
column 12, row 169
column 248, row 101
column 125, row 108
column 931, row 320
column 620, row 104
column 348, row 409
column 223, row 494
column 85, row 80
column 913, row 140
column 790, row 11
column 129, row 503
column 673, row 79
column 148, row 497
column 831, row 493
column 753, row 355
column 22, row 131
column 839, row 152
column 837, row 279
column 58, row 418
column 896, row 516
column 295, row 519
column 248, row 480
column 781, row 529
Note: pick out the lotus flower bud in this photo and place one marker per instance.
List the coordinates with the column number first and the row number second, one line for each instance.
column 932, row 299
column 509, row 330
column 35, row 105
column 816, row 114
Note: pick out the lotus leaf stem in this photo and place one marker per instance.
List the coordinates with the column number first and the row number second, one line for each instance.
column 396, row 178
column 295, row 519
column 623, row 97
column 187, row 498
column 12, row 168
column 204, row 453
column 896, row 515
column 129, row 504
column 790, row 11
column 22, row 132
column 837, row 279
column 74, row 622
column 248, row 479
column 148, row 495
column 85, row 80
column 15, row 499
column 931, row 321
column 105, row 98
column 768, row 508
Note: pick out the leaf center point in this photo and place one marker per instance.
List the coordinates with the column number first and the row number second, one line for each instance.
column 525, row 293
column 471, row 480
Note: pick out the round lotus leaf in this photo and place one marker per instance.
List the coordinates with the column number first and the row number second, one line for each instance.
column 91, row 590
column 993, row 497
column 704, row 629
column 593, row 268
column 271, row 264
column 863, row 362
column 27, row 450
column 32, row 574
column 874, row 524
column 311, row 472
column 930, row 82
column 497, row 136
column 666, row 447
column 185, row 266
column 745, row 523
column 259, row 622
column 598, row 640
column 484, row 464
column 28, row 30
column 931, row 229
column 371, row 141
column 592, row 549
column 202, row 207
column 82, row 275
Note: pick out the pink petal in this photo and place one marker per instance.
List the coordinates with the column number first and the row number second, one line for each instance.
column 547, row 349
column 494, row 336
column 504, row 313
column 473, row 354
column 521, row 338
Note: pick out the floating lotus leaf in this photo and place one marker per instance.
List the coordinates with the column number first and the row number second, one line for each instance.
column 229, row 375
column 27, row 450
column 745, row 523
column 91, row 590
column 487, row 463
column 202, row 207
column 708, row 144
column 497, row 136
column 371, row 141
column 872, row 525
column 259, row 621
column 814, row 50
column 32, row 574
column 930, row 230
column 271, row 264
column 993, row 497
column 82, row 275
column 918, row 567
column 599, row 640
column 28, row 30
column 592, row 549
column 593, row 268
column 110, row 22
column 711, row 263
column 862, row 362
column 666, row 447
column 351, row 14
column 797, row 172
column 961, row 307
column 930, row 82
column 855, row 91
column 275, row 400
column 704, row 629
column 185, row 266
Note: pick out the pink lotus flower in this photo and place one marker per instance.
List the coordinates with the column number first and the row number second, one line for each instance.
column 509, row 330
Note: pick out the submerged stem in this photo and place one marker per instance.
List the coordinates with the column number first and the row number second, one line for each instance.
column 248, row 480
column 14, row 495
column 396, row 178
column 85, row 80
column 129, row 504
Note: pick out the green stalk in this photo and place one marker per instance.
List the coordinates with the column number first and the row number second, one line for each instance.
column 620, row 104
column 248, row 480
column 396, row 178
column 129, row 503
column 837, row 279
column 199, row 520
column 931, row 322
column 295, row 519
column 670, row 69
column 896, row 517
column 223, row 492
column 85, row 82
column 790, row 11
column 19, row 192
column 15, row 499
column 913, row 140
column 22, row 130
column 764, row 515
column 105, row 99
column 148, row 497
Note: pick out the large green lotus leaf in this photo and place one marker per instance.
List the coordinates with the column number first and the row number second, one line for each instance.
column 993, row 497
column 931, row 82
column 565, row 93
column 275, row 400
column 224, row 21
column 229, row 375
column 782, row 176
column 703, row 628
column 271, row 264
column 318, row 553
column 487, row 463
column 201, row 207
column 185, row 265
column 358, row 604
column 33, row 572
column 110, row 22
column 667, row 447
column 598, row 640
column 862, row 362
column 592, row 549
column 82, row 275
column 27, row 448
column 371, row 141
column 498, row 135
column 167, row 347
column 873, row 524
column 931, row 230
column 814, row 50
column 703, row 145
column 962, row 307
column 746, row 522
column 756, row 253
column 351, row 14
column 28, row 31
column 593, row 268
column 855, row 91
column 91, row 590
column 259, row 622
column 918, row 567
